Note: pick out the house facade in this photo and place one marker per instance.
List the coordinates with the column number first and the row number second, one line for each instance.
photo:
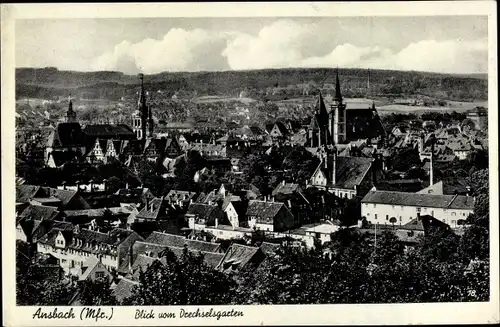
column 380, row 206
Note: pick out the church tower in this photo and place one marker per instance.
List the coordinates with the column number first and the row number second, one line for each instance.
column 337, row 117
column 70, row 114
column 142, row 118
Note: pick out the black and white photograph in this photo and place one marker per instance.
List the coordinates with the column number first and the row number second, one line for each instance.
column 231, row 162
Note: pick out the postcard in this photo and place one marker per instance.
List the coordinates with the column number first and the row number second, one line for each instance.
column 249, row 163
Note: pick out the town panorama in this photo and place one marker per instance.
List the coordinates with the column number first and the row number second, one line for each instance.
column 280, row 186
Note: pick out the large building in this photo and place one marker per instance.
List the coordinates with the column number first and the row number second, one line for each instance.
column 342, row 124
column 380, row 206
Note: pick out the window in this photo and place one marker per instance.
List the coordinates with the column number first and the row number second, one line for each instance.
column 374, row 205
column 453, row 213
column 375, row 216
column 99, row 274
column 400, row 218
column 386, row 217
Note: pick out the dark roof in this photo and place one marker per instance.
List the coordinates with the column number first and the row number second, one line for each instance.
column 124, row 289
column 109, row 131
column 350, row 171
column 68, row 135
column 24, row 192
column 286, row 188
column 156, row 209
column 203, row 210
column 420, row 200
column 43, row 213
column 62, row 157
column 269, row 248
column 281, row 127
column 238, row 256
column 171, row 240
column 264, row 210
column 424, row 223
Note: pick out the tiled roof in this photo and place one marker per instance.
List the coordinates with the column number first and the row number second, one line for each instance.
column 264, row 210
column 124, row 289
column 286, row 188
column 85, row 212
column 350, row 171
column 176, row 195
column 157, row 209
column 109, row 131
column 238, row 256
column 420, row 200
column 24, row 192
column 69, row 135
column 171, row 240
column 204, row 210
column 269, row 248
column 38, row 212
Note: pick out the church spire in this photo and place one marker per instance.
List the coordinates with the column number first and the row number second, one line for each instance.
column 143, row 108
column 70, row 114
column 338, row 95
column 321, row 109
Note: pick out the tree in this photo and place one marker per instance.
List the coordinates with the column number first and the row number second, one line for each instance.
column 183, row 280
column 38, row 285
column 96, row 292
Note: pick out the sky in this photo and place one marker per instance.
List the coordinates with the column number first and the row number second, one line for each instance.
column 443, row 44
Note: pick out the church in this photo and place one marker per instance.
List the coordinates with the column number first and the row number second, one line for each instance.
column 342, row 124
column 99, row 143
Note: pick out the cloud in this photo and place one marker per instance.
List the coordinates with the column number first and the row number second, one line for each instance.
column 287, row 43
column 179, row 50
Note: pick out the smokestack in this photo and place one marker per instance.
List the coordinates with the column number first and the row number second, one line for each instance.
column 334, row 166
column 431, row 164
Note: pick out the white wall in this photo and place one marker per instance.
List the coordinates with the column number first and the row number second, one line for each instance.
column 77, row 257
column 379, row 212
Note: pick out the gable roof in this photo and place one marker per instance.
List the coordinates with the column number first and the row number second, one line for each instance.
column 420, row 200
column 239, row 256
column 25, row 192
column 39, row 212
column 286, row 188
column 350, row 171
column 171, row 240
column 92, row 264
column 264, row 210
column 67, row 135
column 203, row 210
column 156, row 209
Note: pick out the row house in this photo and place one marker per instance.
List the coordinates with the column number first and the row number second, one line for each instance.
column 270, row 216
column 74, row 247
column 380, row 206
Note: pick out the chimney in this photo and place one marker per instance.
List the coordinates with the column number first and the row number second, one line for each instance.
column 130, row 258
column 334, row 167
column 283, row 183
column 216, row 222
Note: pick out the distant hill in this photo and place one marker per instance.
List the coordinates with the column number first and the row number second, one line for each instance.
column 51, row 82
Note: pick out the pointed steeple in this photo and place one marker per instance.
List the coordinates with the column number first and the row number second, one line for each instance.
column 142, row 95
column 338, row 95
column 321, row 110
column 70, row 114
